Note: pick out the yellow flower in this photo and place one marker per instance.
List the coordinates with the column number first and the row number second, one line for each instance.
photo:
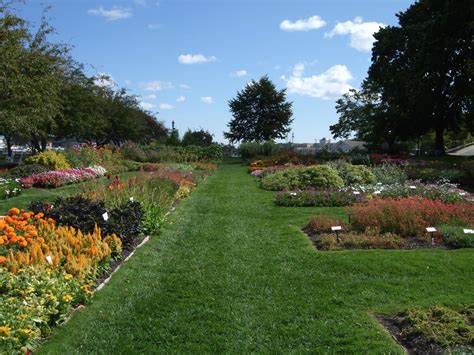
column 5, row 330
column 67, row 298
column 53, row 298
column 26, row 330
column 68, row 277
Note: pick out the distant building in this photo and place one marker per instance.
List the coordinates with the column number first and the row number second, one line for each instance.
column 325, row 144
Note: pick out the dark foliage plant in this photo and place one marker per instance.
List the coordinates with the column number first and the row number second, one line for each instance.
column 77, row 211
column 126, row 221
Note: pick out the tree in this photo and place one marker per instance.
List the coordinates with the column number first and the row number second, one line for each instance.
column 202, row 138
column 260, row 113
column 362, row 113
column 423, row 67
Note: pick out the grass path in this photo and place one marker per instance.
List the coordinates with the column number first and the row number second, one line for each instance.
column 232, row 273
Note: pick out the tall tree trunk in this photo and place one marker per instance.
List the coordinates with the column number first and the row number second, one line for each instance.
column 44, row 144
column 8, row 140
column 439, row 140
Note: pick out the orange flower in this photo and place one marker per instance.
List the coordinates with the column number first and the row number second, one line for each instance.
column 2, row 259
column 13, row 211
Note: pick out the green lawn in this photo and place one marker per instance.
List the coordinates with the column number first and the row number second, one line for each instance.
column 49, row 195
column 233, row 273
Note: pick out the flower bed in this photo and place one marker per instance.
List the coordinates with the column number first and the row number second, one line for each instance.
column 45, row 270
column 53, row 179
column 9, row 188
column 318, row 198
column 437, row 330
column 392, row 223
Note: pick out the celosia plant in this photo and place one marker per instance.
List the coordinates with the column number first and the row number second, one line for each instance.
column 52, row 179
column 408, row 217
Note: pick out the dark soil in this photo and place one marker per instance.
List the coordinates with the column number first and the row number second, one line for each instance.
column 415, row 343
column 410, row 243
column 127, row 249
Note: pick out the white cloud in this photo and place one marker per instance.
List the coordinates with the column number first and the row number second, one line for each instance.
column 184, row 86
column 207, row 99
column 330, row 84
column 181, row 99
column 104, row 80
column 157, row 85
column 165, row 106
column 312, row 23
column 115, row 13
column 240, row 73
column 150, row 97
column 147, row 105
column 195, row 59
column 360, row 32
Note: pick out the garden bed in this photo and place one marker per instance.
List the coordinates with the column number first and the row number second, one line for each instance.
column 438, row 330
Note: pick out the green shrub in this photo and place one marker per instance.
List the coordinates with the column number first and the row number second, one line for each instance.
column 440, row 325
column 354, row 174
column 388, row 174
column 455, row 237
column 319, row 176
column 133, row 151
column 51, row 159
column 280, row 180
column 251, row 150
column 23, row 170
column 318, row 198
column 351, row 240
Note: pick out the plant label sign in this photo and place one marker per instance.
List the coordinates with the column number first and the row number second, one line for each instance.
column 105, row 216
column 131, row 199
column 377, row 192
column 336, row 228
column 356, row 193
column 431, row 229
column 49, row 259
column 412, row 187
column 468, row 231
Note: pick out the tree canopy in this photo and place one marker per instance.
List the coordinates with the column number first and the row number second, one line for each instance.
column 45, row 94
column 199, row 137
column 420, row 79
column 260, row 113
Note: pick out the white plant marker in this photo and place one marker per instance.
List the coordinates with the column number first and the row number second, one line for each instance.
column 377, row 192
column 462, row 194
column 431, row 230
column 412, row 187
column 337, row 229
column 49, row 259
column 468, row 231
column 131, row 199
column 356, row 193
column 105, row 216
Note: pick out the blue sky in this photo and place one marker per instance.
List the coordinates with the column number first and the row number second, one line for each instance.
column 187, row 58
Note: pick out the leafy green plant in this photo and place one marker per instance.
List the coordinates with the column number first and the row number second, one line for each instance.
column 454, row 236
column 24, row 170
column 126, row 221
column 51, row 159
column 389, row 174
column 354, row 174
column 280, row 180
column 440, row 325
column 318, row 198
column 352, row 240
column 251, row 150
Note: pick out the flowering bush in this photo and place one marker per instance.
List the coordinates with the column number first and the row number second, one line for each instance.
column 51, row 159
column 86, row 155
column 58, row 178
column 318, row 198
column 408, row 217
column 323, row 224
column 9, row 188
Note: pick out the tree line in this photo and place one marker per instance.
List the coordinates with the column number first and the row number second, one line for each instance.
column 45, row 94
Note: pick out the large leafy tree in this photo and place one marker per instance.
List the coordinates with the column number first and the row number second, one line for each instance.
column 198, row 137
column 424, row 67
column 260, row 113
